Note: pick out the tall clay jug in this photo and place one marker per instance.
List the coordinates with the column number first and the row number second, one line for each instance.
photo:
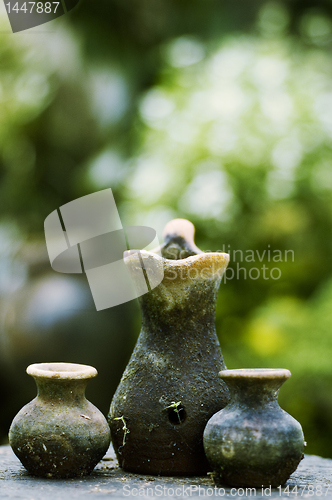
column 171, row 387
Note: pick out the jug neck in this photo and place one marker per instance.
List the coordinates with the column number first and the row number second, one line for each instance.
column 186, row 297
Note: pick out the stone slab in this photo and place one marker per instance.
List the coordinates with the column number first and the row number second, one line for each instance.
column 312, row 479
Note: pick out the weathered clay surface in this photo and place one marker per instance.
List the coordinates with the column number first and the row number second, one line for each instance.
column 253, row 442
column 60, row 434
column 170, row 387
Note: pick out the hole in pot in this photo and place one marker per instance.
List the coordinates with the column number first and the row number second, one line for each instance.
column 177, row 415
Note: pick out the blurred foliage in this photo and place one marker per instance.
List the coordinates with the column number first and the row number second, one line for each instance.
column 220, row 112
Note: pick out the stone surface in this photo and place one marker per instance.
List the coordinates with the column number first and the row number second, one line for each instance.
column 313, row 479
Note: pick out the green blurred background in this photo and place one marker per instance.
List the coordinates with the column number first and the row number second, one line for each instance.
column 215, row 111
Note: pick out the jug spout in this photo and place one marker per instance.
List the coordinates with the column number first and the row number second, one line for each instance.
column 182, row 284
column 178, row 265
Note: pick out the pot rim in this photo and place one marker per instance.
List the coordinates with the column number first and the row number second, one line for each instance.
column 256, row 373
column 61, row 371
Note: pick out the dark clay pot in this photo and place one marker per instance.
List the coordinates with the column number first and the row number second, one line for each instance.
column 60, row 434
column 169, row 389
column 253, row 442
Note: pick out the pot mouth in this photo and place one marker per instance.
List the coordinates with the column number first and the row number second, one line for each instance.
column 256, row 373
column 62, row 371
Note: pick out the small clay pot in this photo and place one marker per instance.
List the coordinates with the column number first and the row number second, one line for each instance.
column 252, row 441
column 59, row 433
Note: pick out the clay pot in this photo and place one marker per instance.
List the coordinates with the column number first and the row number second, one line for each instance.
column 252, row 441
column 60, row 434
column 169, row 389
